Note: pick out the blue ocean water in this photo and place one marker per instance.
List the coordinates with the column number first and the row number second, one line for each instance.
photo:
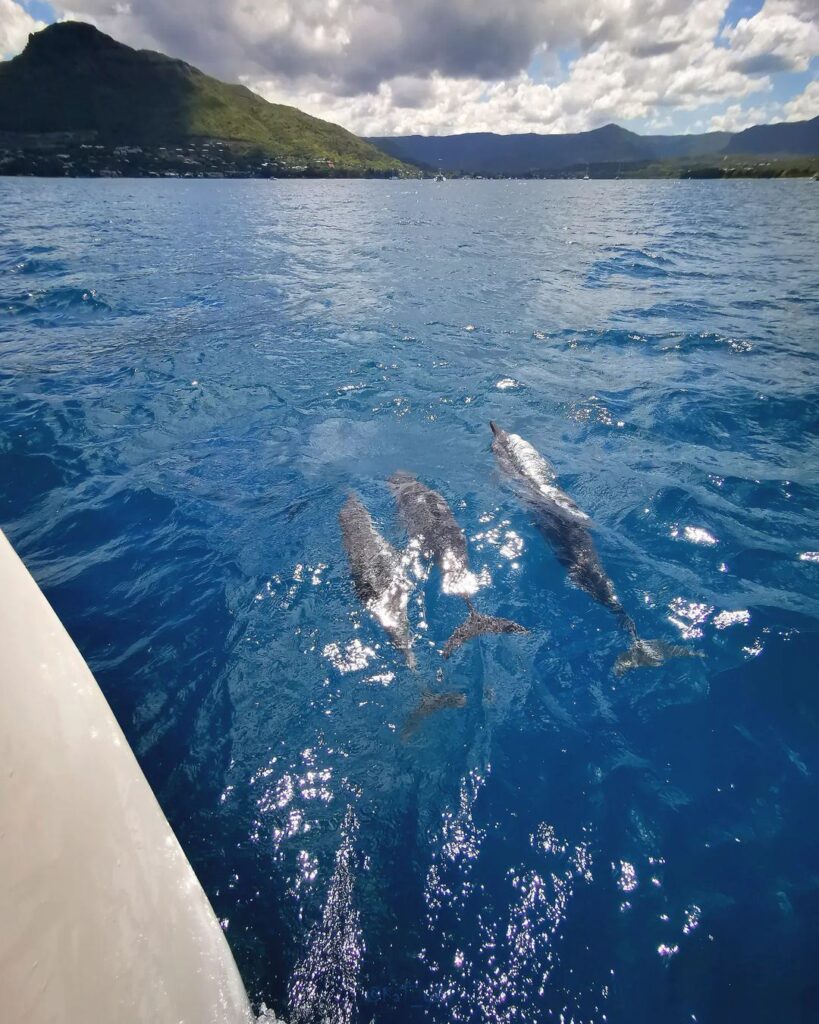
column 194, row 375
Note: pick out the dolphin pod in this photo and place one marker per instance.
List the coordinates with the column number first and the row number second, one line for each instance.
column 382, row 586
column 566, row 527
column 381, row 583
column 379, row 571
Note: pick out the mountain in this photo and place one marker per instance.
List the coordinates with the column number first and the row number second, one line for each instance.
column 71, row 78
column 683, row 147
column 487, row 153
column 789, row 138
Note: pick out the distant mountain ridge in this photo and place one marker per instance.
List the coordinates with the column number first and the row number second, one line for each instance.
column 792, row 138
column 72, row 78
column 488, row 153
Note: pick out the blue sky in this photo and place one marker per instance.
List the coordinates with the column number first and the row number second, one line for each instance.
column 741, row 9
column 443, row 66
column 42, row 11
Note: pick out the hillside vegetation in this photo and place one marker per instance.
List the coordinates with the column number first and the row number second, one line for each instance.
column 71, row 78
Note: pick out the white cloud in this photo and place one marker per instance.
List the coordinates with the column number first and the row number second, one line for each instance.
column 804, row 106
column 782, row 36
column 621, row 77
column 441, row 66
column 737, row 118
column 15, row 26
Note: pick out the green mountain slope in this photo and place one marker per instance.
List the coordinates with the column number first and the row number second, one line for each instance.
column 73, row 78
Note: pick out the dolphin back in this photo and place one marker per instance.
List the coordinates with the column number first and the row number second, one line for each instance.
column 378, row 574
column 534, row 476
column 427, row 514
column 650, row 654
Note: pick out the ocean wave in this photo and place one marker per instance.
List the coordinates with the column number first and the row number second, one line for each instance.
column 54, row 305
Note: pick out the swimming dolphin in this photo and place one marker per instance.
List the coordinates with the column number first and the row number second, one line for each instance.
column 566, row 527
column 430, row 703
column 429, row 521
column 378, row 574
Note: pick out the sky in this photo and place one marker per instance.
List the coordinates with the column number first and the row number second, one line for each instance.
column 438, row 67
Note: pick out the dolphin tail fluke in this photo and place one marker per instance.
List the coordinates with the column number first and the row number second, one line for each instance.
column 650, row 654
column 476, row 624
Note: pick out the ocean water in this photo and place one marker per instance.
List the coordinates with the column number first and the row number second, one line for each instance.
column 194, row 375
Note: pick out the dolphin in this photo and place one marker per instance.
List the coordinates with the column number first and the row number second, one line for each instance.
column 429, row 521
column 566, row 527
column 378, row 574
column 430, row 703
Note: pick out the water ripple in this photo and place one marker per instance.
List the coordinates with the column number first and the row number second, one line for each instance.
column 193, row 375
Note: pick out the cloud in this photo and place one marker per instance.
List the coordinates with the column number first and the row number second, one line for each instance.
column 804, row 106
column 782, row 36
column 436, row 66
column 15, row 26
column 352, row 45
column 617, row 78
column 737, row 118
